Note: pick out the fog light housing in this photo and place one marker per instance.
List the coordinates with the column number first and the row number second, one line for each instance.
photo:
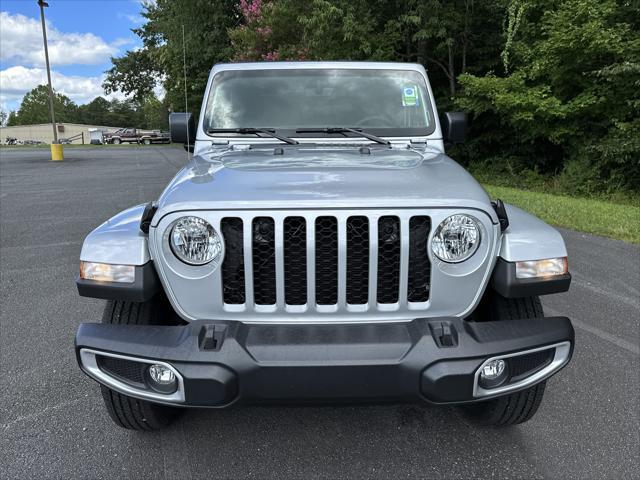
column 161, row 378
column 493, row 373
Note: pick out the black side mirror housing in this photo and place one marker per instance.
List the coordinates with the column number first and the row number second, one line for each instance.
column 454, row 127
column 182, row 128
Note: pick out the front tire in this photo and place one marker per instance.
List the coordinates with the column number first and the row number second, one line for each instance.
column 517, row 407
column 128, row 412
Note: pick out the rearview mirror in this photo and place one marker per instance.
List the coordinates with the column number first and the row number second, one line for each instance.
column 454, row 127
column 182, row 128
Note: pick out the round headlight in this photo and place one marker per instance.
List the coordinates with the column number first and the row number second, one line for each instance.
column 194, row 241
column 456, row 238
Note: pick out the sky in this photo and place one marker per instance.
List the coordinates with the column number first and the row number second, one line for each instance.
column 82, row 36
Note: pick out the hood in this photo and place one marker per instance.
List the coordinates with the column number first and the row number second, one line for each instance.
column 322, row 177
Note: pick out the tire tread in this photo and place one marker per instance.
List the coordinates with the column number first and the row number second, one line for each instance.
column 128, row 412
column 520, row 406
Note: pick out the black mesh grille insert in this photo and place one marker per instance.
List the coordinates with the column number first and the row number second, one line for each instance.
column 295, row 261
column 233, row 265
column 524, row 365
column 264, row 261
column 127, row 370
column 357, row 260
column 326, row 261
column 388, row 259
column 419, row 265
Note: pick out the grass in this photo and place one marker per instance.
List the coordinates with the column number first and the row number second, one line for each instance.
column 608, row 219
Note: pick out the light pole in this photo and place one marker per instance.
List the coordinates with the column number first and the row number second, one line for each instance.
column 57, row 150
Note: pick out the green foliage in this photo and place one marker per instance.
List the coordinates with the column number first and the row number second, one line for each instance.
column 570, row 104
column 160, row 61
column 552, row 85
column 94, row 112
column 35, row 108
column 134, row 74
column 149, row 113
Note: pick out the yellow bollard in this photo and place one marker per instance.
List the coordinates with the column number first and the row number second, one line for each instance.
column 56, row 152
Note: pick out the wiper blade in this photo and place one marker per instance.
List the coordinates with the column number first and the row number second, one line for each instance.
column 343, row 130
column 251, row 130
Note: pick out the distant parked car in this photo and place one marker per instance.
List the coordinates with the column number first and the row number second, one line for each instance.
column 133, row 135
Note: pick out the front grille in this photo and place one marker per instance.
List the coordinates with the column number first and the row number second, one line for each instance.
column 331, row 261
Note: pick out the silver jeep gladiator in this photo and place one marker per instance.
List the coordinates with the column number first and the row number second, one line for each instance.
column 321, row 247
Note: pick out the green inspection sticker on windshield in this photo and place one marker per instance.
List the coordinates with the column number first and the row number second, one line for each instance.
column 410, row 96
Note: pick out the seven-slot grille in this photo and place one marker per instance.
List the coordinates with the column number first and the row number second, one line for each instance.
column 369, row 261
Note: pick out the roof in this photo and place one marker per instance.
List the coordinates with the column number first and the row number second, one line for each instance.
column 319, row 65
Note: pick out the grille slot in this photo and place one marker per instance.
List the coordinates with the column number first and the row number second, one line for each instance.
column 326, row 260
column 522, row 366
column 295, row 261
column 264, row 261
column 127, row 370
column 419, row 281
column 388, row 259
column 233, row 291
column 281, row 261
column 357, row 260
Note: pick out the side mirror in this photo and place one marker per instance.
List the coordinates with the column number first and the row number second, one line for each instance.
column 454, row 127
column 182, row 128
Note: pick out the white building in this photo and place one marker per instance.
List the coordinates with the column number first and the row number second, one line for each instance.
column 44, row 133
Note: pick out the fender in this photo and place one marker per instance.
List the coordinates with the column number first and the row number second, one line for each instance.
column 120, row 241
column 528, row 238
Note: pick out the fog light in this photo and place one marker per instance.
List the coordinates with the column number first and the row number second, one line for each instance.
column 493, row 373
column 162, row 379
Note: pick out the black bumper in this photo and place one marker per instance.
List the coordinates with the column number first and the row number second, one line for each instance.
column 221, row 363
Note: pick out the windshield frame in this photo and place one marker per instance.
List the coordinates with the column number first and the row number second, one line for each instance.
column 401, row 132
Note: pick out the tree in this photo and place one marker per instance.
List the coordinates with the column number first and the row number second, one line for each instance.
column 161, row 59
column 96, row 112
column 453, row 37
column 136, row 74
column 11, row 119
column 35, row 108
column 568, row 94
column 154, row 114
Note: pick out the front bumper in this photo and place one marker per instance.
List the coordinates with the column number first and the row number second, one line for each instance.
column 219, row 363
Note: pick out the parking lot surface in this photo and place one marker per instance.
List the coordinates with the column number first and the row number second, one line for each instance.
column 54, row 425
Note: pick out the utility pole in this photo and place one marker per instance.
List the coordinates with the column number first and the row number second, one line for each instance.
column 43, row 4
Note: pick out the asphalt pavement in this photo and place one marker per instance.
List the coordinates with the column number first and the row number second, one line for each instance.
column 53, row 423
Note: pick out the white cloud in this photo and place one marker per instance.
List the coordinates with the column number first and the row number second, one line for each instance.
column 18, row 80
column 136, row 20
column 21, row 42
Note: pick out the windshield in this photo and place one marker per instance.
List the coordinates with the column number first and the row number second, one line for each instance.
column 385, row 102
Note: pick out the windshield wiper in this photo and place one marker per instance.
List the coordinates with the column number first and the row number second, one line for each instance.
column 251, row 130
column 344, row 130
